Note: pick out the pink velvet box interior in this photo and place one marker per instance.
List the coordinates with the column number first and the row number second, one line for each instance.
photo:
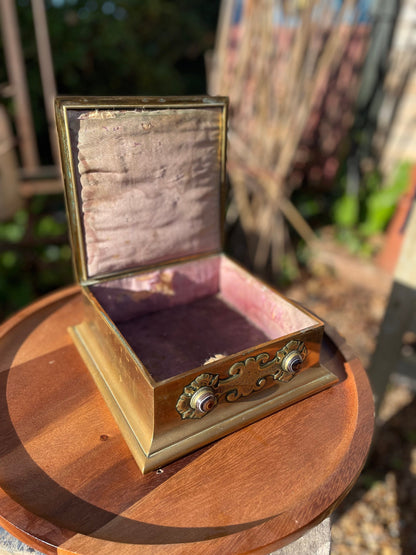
column 176, row 318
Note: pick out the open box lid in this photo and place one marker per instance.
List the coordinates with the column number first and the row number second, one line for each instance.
column 144, row 180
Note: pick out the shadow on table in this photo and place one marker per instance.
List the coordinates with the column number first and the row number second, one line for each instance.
column 28, row 485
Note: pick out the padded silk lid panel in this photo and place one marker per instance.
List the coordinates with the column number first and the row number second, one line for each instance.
column 148, row 184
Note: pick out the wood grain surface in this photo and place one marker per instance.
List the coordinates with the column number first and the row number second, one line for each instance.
column 68, row 483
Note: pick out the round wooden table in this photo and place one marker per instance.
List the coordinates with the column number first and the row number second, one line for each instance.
column 68, row 483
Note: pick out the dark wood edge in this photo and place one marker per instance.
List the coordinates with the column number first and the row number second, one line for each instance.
column 26, row 538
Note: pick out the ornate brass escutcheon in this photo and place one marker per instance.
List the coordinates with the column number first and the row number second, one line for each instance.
column 244, row 377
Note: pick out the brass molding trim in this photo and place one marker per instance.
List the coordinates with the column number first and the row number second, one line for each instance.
column 244, row 377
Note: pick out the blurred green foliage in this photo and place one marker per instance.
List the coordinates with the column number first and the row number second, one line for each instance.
column 35, row 257
column 99, row 47
column 382, row 201
column 118, row 47
column 362, row 214
column 151, row 47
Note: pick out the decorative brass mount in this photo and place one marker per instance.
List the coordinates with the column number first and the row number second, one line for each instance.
column 245, row 377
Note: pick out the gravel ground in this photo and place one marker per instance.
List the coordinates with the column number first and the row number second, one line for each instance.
column 379, row 514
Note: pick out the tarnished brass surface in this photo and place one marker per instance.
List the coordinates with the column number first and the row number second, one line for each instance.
column 146, row 411
column 157, row 446
column 245, row 377
column 162, row 420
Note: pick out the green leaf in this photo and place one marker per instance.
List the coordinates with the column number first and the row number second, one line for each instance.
column 346, row 211
column 8, row 259
column 49, row 227
column 382, row 204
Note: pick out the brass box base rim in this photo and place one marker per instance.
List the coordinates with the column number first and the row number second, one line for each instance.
column 307, row 383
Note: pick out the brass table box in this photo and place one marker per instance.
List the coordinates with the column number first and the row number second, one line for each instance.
column 184, row 345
